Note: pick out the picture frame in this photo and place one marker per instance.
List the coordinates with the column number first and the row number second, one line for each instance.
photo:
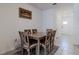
column 23, row 13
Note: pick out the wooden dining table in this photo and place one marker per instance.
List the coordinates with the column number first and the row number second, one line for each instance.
column 37, row 37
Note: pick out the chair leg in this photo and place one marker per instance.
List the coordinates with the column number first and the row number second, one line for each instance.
column 52, row 45
column 49, row 49
column 28, row 51
column 22, row 51
column 36, row 50
column 45, row 51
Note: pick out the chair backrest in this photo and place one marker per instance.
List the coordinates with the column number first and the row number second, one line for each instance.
column 34, row 31
column 49, row 32
column 28, row 31
column 54, row 33
column 24, row 39
column 49, row 29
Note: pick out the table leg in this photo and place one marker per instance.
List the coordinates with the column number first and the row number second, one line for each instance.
column 38, row 51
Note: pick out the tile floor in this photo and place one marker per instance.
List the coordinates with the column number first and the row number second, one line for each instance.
column 66, row 46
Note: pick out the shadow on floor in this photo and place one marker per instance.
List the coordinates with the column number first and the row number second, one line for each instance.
column 33, row 51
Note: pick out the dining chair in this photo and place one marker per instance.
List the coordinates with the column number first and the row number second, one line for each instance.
column 45, row 43
column 49, row 30
column 52, row 40
column 32, row 41
column 28, row 31
column 34, row 31
column 25, row 44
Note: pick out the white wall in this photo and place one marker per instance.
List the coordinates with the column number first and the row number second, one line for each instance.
column 49, row 19
column 64, row 12
column 26, row 23
column 76, row 21
column 10, row 24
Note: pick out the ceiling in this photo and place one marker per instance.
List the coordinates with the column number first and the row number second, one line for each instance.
column 43, row 6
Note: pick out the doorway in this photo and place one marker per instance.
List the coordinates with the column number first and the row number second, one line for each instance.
column 65, row 29
column 65, row 22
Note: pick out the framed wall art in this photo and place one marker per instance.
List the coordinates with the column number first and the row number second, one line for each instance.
column 23, row 13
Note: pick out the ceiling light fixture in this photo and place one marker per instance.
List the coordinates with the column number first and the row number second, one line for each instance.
column 54, row 4
column 65, row 22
